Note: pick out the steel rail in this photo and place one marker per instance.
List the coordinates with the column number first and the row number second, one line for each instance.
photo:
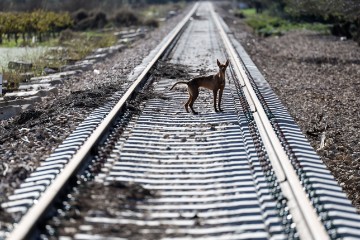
column 29, row 220
column 304, row 215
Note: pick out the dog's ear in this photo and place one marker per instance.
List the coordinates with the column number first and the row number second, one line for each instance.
column 227, row 62
column 218, row 63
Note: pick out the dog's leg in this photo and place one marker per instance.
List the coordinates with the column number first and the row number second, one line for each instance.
column 194, row 95
column 215, row 95
column 220, row 96
column 187, row 103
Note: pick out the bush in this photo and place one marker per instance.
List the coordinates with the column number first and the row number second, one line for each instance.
column 29, row 24
column 239, row 14
column 85, row 21
column 126, row 17
column 85, row 24
column 341, row 30
column 100, row 19
column 66, row 35
column 80, row 15
column 265, row 24
column 151, row 23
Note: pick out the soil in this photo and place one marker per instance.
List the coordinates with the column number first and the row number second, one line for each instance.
column 316, row 76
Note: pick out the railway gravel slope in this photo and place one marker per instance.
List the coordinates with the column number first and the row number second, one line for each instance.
column 316, row 77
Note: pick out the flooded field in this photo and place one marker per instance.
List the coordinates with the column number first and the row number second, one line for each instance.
column 19, row 54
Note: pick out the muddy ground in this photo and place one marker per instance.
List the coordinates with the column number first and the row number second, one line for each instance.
column 316, row 76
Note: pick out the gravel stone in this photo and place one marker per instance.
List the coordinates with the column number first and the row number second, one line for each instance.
column 29, row 138
column 316, row 76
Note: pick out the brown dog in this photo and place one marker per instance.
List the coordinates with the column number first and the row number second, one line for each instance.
column 214, row 82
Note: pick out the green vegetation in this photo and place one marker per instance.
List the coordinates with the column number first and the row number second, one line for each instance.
column 41, row 27
column 343, row 15
column 13, row 79
column 80, row 44
column 266, row 25
column 25, row 25
column 75, row 46
column 250, row 12
column 340, row 17
column 84, row 26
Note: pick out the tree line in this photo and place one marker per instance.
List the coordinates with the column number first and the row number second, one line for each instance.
column 74, row 5
column 26, row 25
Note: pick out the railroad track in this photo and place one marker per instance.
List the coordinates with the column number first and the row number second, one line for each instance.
column 246, row 173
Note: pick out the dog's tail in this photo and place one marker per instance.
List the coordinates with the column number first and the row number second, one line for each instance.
column 181, row 82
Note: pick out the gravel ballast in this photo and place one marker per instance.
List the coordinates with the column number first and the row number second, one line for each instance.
column 30, row 137
column 316, row 76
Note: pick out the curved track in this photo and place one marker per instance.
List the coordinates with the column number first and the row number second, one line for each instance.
column 239, row 174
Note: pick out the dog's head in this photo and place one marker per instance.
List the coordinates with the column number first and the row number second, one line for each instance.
column 222, row 67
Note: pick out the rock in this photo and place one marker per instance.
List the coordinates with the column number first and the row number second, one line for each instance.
column 50, row 80
column 171, row 14
column 21, row 66
column 120, row 34
column 118, row 47
column 76, row 66
column 48, row 70
column 26, row 76
column 62, row 75
column 57, row 50
column 129, row 36
column 28, row 87
column 86, row 61
column 70, row 60
column 102, row 50
column 68, row 73
column 20, row 95
column 97, row 57
column 9, row 111
column 28, row 100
